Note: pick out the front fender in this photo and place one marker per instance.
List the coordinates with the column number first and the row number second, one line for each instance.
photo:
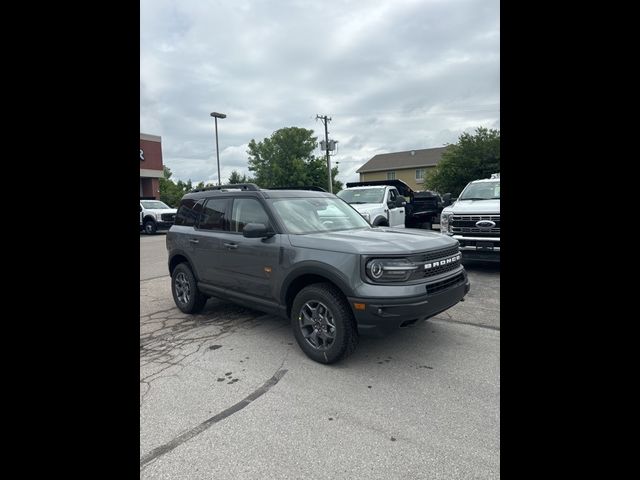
column 316, row 268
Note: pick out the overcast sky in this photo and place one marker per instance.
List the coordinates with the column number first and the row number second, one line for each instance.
column 394, row 75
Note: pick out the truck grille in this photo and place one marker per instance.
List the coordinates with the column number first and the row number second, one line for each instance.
column 467, row 224
column 444, row 284
column 168, row 217
column 435, row 257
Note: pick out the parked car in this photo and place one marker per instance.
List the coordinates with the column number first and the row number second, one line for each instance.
column 312, row 258
column 155, row 215
column 474, row 220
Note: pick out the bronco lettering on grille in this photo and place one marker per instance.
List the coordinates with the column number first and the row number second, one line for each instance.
column 446, row 261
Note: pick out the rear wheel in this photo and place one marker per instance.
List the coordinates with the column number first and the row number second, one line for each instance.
column 323, row 323
column 185, row 290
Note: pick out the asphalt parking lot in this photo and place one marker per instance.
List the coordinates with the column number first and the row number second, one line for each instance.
column 229, row 394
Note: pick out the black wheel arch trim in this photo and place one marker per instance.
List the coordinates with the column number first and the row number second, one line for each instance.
column 184, row 254
column 315, row 268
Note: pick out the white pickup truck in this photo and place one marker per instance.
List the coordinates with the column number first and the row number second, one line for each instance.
column 474, row 220
column 380, row 205
column 155, row 215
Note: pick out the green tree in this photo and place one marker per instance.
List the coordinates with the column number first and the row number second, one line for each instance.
column 286, row 159
column 170, row 192
column 473, row 157
column 236, row 178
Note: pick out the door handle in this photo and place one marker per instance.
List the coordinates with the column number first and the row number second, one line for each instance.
column 194, row 241
column 231, row 246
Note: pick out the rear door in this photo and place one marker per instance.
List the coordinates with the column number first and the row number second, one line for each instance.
column 206, row 240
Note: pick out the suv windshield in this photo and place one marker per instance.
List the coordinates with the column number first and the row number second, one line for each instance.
column 312, row 215
column 362, row 195
column 151, row 204
column 481, row 191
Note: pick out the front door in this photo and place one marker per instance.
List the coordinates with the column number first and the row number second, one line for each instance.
column 396, row 214
column 249, row 264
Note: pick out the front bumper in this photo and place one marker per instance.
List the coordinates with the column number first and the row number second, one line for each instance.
column 383, row 315
column 163, row 225
column 488, row 250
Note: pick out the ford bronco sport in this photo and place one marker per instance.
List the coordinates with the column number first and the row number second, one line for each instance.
column 309, row 257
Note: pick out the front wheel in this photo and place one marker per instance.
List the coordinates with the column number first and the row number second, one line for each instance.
column 323, row 323
column 150, row 227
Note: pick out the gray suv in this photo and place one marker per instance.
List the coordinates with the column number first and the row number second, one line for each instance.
column 311, row 258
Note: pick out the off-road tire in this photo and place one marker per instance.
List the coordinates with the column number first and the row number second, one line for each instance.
column 346, row 331
column 194, row 300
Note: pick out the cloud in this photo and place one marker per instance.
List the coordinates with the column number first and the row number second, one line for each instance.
column 392, row 75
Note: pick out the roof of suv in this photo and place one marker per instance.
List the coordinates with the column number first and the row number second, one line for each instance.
column 255, row 190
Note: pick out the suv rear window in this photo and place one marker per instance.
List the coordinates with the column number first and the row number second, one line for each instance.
column 188, row 212
column 213, row 214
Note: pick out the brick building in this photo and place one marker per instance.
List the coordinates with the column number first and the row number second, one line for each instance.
column 151, row 166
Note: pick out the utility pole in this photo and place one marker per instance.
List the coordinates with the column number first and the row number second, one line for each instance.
column 326, row 120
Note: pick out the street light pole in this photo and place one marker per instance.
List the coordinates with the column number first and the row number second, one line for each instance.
column 216, row 116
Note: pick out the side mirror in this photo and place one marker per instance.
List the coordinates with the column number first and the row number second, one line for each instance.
column 446, row 199
column 256, row 230
column 391, row 204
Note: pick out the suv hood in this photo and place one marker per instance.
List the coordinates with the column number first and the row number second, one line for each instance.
column 474, row 206
column 374, row 241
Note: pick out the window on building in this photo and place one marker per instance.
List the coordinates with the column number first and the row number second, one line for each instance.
column 391, row 175
column 420, row 174
column 213, row 214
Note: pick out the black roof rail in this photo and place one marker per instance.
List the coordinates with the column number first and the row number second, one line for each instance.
column 235, row 186
column 313, row 188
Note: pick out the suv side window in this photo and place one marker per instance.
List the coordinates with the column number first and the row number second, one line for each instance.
column 213, row 214
column 188, row 212
column 247, row 210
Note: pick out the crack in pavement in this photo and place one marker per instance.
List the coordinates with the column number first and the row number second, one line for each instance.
column 188, row 435
column 479, row 325
column 169, row 342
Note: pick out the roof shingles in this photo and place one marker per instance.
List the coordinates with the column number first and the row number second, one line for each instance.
column 427, row 157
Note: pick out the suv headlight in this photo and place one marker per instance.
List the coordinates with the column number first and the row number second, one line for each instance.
column 389, row 269
column 444, row 222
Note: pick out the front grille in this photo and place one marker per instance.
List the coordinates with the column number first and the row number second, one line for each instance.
column 467, row 224
column 432, row 257
column 168, row 217
column 444, row 284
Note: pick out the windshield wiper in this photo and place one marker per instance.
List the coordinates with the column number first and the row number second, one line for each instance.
column 357, row 203
column 473, row 198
